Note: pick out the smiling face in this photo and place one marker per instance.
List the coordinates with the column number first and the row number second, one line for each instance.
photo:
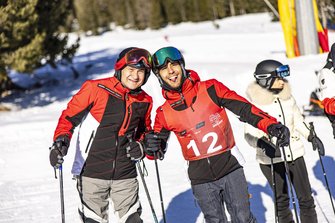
column 132, row 78
column 171, row 74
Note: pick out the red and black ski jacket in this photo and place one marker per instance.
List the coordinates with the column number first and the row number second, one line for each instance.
column 106, row 113
column 197, row 116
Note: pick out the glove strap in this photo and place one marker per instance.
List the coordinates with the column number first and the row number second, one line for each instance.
column 142, row 150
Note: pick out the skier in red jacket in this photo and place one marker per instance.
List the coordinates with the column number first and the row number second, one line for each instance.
column 195, row 111
column 109, row 112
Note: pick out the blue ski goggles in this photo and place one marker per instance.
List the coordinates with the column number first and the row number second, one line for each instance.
column 280, row 72
column 163, row 55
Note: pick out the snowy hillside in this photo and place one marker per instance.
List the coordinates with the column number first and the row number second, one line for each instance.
column 30, row 193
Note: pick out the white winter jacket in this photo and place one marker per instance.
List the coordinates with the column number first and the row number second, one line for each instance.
column 327, row 77
column 283, row 107
column 327, row 83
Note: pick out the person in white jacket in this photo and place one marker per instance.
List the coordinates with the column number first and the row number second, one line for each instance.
column 271, row 93
column 326, row 94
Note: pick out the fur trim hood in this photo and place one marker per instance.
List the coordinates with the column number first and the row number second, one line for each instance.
column 262, row 96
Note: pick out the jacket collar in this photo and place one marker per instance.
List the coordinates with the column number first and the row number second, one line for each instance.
column 188, row 84
column 262, row 96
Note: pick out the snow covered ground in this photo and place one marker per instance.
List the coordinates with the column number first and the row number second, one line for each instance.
column 30, row 193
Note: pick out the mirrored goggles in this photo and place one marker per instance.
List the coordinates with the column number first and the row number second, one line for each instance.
column 134, row 57
column 161, row 57
column 281, row 72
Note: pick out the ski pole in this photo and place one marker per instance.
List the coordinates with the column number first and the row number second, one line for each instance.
column 61, row 189
column 147, row 192
column 311, row 128
column 130, row 139
column 61, row 193
column 274, row 191
column 159, row 187
column 290, row 187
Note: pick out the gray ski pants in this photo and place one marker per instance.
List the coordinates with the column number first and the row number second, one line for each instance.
column 96, row 193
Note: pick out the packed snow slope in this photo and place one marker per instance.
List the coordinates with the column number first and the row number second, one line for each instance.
column 29, row 191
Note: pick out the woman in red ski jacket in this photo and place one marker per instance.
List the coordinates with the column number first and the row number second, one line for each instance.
column 108, row 112
column 195, row 111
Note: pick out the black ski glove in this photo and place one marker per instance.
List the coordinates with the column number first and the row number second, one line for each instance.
column 281, row 132
column 268, row 147
column 58, row 150
column 316, row 143
column 134, row 150
column 153, row 146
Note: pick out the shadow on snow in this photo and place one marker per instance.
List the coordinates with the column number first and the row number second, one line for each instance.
column 329, row 167
column 182, row 208
column 61, row 83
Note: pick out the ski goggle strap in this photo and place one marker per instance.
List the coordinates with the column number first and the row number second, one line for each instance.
column 281, row 72
column 134, row 57
column 161, row 57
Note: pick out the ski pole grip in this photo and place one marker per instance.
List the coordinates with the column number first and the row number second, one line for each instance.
column 311, row 125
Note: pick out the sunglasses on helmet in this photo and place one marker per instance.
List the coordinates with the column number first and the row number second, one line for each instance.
column 281, row 72
column 134, row 57
column 161, row 57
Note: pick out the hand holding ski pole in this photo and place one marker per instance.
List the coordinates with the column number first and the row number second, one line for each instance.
column 134, row 149
column 281, row 132
column 268, row 147
column 316, row 142
column 58, row 150
column 153, row 143
column 130, row 139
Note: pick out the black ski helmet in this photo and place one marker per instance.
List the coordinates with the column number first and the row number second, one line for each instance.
column 160, row 59
column 267, row 71
column 331, row 59
column 141, row 64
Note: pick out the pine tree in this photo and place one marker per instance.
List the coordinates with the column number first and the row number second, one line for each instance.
column 173, row 12
column 86, row 15
column 158, row 17
column 142, row 15
column 29, row 35
column 117, row 9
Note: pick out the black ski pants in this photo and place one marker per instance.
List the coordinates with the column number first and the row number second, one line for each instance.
column 301, row 185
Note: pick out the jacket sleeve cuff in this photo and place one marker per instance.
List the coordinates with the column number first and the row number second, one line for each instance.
column 150, row 157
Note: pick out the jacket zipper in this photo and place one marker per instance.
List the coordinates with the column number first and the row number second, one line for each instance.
column 128, row 117
column 282, row 111
column 117, row 147
column 183, row 99
column 128, row 112
column 117, row 133
column 89, row 141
